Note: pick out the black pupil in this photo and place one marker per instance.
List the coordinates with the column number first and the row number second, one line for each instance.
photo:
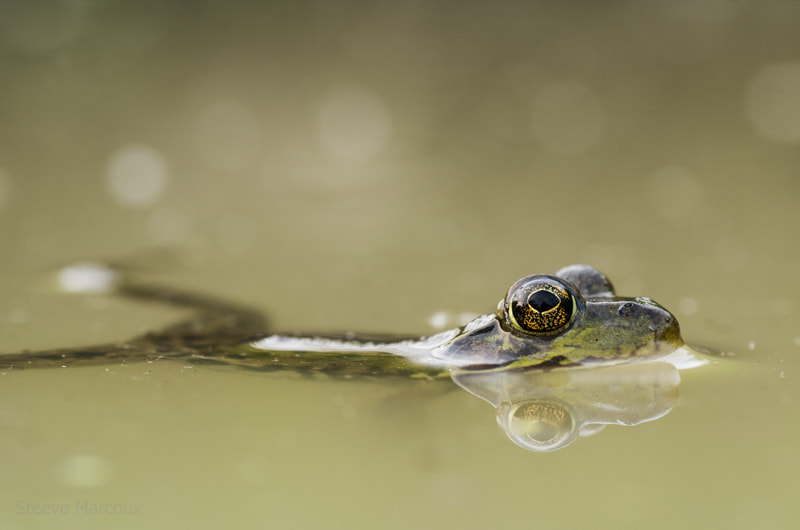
column 543, row 301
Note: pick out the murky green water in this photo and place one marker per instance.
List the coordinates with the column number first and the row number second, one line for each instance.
column 365, row 166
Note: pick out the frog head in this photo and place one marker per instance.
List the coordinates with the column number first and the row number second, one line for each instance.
column 571, row 318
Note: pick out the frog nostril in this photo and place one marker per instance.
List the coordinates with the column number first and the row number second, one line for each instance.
column 661, row 322
column 626, row 309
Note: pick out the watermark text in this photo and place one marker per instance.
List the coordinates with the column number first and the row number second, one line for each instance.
column 79, row 507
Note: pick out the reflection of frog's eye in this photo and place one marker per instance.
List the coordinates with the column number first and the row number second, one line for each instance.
column 540, row 305
column 538, row 425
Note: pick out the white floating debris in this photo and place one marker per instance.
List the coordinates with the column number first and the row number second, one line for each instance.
column 88, row 277
column 84, row 471
column 137, row 175
column 354, row 125
column 438, row 320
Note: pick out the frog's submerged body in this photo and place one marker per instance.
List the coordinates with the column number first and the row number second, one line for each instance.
column 571, row 318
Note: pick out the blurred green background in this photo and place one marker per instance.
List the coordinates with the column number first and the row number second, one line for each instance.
column 364, row 165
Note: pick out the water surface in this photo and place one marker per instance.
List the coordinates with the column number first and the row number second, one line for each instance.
column 367, row 166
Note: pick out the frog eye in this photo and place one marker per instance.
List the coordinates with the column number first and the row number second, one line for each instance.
column 540, row 305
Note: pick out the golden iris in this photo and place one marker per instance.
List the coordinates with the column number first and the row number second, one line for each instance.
column 539, row 305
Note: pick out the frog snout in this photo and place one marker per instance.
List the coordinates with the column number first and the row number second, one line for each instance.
column 665, row 326
column 659, row 321
column 669, row 330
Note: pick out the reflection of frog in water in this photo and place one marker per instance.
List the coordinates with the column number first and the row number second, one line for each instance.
column 544, row 324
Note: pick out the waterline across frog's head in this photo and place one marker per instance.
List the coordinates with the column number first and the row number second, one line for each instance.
column 572, row 317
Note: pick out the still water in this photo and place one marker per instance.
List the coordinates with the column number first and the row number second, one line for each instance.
column 392, row 168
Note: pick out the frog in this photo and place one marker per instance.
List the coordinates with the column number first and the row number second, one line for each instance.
column 572, row 318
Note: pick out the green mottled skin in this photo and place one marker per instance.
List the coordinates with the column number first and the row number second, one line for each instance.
column 605, row 329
